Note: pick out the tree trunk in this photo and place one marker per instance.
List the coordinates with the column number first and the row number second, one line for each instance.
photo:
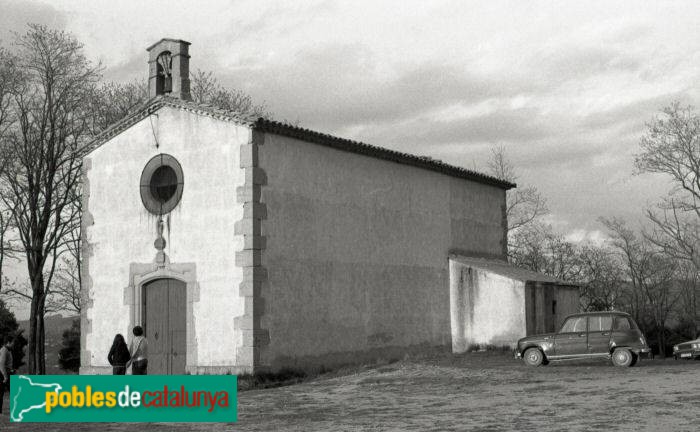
column 31, row 345
column 41, row 339
column 35, row 347
column 661, row 339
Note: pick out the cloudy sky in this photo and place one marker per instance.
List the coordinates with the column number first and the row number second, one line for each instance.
column 565, row 87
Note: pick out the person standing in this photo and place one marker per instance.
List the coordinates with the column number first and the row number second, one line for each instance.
column 139, row 353
column 5, row 366
column 118, row 355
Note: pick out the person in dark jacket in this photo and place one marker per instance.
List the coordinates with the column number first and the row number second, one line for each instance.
column 119, row 355
column 6, row 365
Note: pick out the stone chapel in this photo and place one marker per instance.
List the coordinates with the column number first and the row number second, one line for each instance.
column 244, row 244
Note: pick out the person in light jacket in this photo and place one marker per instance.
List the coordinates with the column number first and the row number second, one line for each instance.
column 139, row 353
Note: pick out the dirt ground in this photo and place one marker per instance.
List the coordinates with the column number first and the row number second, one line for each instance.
column 478, row 391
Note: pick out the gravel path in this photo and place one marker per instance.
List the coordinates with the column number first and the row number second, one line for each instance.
column 480, row 391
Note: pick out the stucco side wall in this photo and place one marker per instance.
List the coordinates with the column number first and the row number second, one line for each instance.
column 120, row 232
column 356, row 251
column 487, row 309
column 568, row 302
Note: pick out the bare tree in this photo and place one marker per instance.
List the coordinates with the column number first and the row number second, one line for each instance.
column 671, row 146
column 46, row 145
column 602, row 279
column 676, row 230
column 63, row 293
column 65, row 290
column 205, row 88
column 10, row 80
column 537, row 248
column 689, row 297
column 650, row 272
column 524, row 205
column 113, row 101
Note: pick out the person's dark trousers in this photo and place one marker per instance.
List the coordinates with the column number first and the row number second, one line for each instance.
column 139, row 367
column 118, row 370
column 2, row 391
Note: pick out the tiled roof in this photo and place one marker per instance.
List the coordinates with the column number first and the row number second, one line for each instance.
column 377, row 152
column 505, row 269
column 279, row 128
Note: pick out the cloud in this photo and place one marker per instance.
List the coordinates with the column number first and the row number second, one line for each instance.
column 565, row 89
column 16, row 14
column 129, row 69
column 342, row 85
column 595, row 237
column 495, row 126
column 566, row 62
column 634, row 113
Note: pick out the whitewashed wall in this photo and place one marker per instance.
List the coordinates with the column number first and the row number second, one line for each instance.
column 485, row 308
column 199, row 230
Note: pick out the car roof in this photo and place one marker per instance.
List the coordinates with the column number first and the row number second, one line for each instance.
column 600, row 313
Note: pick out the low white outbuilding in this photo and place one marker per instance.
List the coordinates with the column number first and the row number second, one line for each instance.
column 493, row 303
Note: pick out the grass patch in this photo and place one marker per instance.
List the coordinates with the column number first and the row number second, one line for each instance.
column 290, row 376
column 262, row 380
column 489, row 348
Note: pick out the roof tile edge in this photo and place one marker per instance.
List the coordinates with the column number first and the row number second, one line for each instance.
column 345, row 144
column 279, row 128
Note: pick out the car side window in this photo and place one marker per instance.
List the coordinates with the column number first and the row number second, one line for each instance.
column 599, row 323
column 574, row 325
column 622, row 323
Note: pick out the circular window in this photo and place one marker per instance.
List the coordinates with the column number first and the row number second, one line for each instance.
column 161, row 184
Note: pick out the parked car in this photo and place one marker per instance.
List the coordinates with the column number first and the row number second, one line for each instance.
column 609, row 335
column 687, row 350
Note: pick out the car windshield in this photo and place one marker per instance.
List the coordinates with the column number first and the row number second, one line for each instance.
column 574, row 325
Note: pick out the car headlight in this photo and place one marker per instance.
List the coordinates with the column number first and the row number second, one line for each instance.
column 696, row 346
column 642, row 340
column 675, row 348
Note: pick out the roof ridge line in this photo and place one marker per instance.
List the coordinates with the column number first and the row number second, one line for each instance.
column 360, row 147
column 285, row 129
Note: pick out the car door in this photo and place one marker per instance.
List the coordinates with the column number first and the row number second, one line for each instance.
column 572, row 339
column 599, row 330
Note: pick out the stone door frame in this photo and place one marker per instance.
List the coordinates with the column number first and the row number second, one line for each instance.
column 141, row 274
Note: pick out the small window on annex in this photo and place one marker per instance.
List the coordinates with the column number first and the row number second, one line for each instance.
column 161, row 184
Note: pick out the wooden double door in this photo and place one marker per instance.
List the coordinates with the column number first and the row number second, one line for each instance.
column 165, row 325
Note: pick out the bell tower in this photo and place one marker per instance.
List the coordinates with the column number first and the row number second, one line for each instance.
column 169, row 69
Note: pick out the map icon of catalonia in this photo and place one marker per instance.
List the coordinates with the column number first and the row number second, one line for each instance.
column 29, row 396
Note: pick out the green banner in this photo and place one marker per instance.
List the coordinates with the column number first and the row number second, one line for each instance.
column 123, row 398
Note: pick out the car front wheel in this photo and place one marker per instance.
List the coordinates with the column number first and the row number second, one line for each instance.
column 635, row 359
column 622, row 357
column 533, row 357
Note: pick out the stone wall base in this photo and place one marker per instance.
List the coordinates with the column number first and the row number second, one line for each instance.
column 95, row 370
column 219, row 370
column 191, row 370
column 336, row 360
